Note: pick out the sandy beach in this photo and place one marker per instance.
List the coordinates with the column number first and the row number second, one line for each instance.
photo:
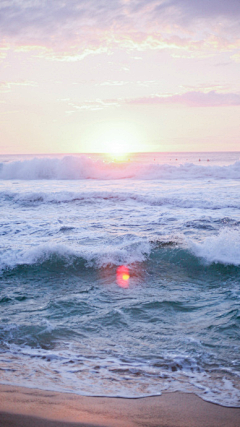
column 23, row 407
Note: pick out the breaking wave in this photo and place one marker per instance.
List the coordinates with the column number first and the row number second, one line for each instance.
column 221, row 249
column 83, row 167
column 62, row 254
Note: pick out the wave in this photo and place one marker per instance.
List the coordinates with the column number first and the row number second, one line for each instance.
column 115, row 196
column 101, row 257
column 83, row 167
column 221, row 249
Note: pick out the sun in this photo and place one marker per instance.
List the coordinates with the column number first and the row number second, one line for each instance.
column 117, row 145
column 116, row 139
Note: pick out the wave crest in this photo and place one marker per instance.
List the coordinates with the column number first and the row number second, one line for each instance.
column 98, row 258
column 223, row 248
column 83, row 167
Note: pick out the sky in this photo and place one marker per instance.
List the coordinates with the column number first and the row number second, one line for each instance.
column 119, row 76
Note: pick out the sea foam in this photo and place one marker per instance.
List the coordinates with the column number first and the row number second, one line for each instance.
column 223, row 248
column 101, row 257
column 83, row 167
column 57, row 197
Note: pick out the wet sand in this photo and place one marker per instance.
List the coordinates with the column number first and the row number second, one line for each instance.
column 23, row 407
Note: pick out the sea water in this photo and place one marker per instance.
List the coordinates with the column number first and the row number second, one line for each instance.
column 70, row 223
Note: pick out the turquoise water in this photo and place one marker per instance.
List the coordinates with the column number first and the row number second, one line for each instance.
column 69, row 324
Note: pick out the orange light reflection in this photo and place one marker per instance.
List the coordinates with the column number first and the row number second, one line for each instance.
column 123, row 276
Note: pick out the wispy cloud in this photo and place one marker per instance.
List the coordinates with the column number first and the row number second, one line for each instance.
column 194, row 9
column 236, row 57
column 114, row 83
column 144, row 83
column 189, row 99
column 192, row 98
column 77, row 28
column 6, row 86
column 98, row 104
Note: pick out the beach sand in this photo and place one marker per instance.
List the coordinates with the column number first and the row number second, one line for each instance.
column 23, row 407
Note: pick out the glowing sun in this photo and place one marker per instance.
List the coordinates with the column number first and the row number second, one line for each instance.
column 116, row 139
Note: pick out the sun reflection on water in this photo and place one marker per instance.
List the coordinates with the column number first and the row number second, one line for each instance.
column 123, row 276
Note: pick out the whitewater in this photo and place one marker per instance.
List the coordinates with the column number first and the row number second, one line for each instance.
column 172, row 221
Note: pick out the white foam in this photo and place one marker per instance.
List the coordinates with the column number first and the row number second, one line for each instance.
column 77, row 374
column 101, row 257
column 83, row 167
column 223, row 248
column 177, row 200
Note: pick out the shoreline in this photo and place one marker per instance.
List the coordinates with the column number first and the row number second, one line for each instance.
column 25, row 407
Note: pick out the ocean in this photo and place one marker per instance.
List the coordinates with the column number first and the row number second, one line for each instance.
column 121, row 276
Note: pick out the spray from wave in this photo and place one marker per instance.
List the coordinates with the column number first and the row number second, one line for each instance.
column 76, row 168
column 223, row 248
column 101, row 257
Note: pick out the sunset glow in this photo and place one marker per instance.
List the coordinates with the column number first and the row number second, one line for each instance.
column 128, row 77
column 120, row 211
column 117, row 157
column 116, row 138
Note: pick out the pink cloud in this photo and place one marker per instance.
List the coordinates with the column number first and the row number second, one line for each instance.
column 192, row 98
column 73, row 27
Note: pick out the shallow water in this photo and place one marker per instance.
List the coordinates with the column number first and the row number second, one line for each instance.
column 69, row 324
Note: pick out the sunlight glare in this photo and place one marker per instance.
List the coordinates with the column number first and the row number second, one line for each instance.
column 123, row 276
column 117, row 139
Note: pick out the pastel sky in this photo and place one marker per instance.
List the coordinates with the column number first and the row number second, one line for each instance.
column 109, row 75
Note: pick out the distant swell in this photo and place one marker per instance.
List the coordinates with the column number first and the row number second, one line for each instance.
column 75, row 168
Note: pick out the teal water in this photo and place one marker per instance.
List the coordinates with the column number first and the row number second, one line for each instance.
column 68, row 324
